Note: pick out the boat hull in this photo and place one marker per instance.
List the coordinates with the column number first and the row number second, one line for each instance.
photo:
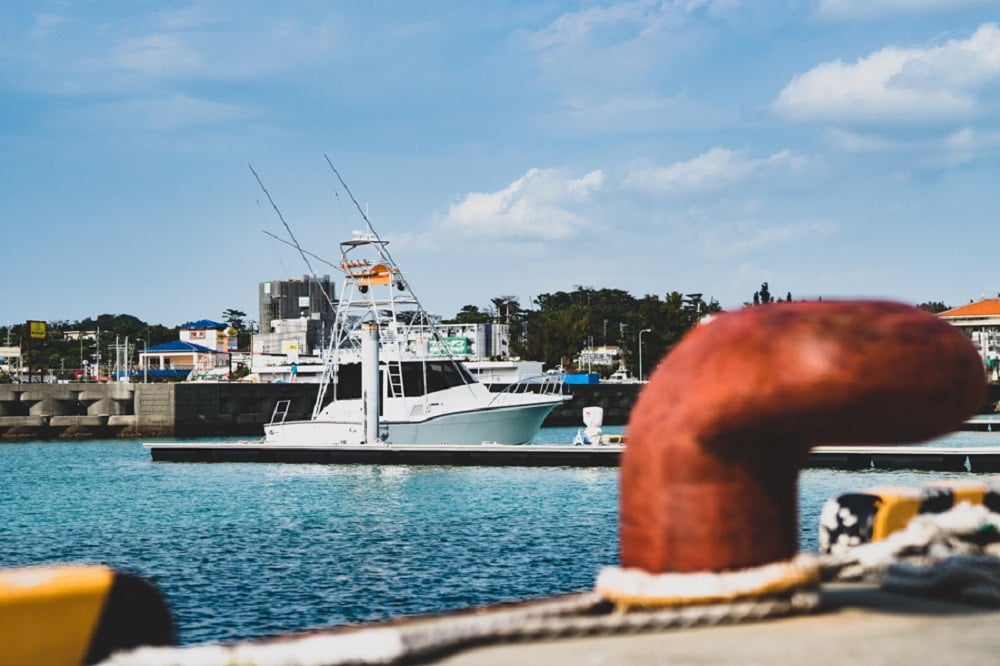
column 514, row 424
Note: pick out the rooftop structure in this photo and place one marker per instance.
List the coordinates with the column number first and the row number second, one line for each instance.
column 980, row 320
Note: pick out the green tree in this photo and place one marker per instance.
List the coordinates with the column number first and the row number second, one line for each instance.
column 565, row 322
column 763, row 297
column 556, row 335
column 470, row 314
column 57, row 351
column 934, row 307
column 235, row 318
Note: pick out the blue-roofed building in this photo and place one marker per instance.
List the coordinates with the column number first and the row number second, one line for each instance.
column 202, row 347
column 204, row 324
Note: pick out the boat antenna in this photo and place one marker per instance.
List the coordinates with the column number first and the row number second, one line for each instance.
column 351, row 194
column 314, row 256
column 294, row 242
column 364, row 216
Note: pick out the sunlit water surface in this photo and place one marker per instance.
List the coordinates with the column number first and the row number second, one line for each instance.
column 249, row 550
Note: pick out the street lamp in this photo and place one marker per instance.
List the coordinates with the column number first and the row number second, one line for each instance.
column 645, row 330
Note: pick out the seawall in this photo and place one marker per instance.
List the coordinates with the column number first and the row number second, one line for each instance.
column 82, row 411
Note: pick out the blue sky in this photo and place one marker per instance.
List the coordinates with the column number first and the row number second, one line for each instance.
column 833, row 148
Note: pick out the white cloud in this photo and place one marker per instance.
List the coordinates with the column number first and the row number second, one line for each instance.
column 962, row 146
column 163, row 113
column 898, row 85
column 718, row 168
column 967, row 144
column 860, row 142
column 157, row 54
column 856, row 9
column 72, row 53
column 621, row 22
column 741, row 239
column 575, row 27
column 713, row 7
column 46, row 24
column 543, row 204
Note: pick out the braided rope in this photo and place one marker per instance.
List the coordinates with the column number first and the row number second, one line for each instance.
column 580, row 615
column 634, row 588
column 954, row 554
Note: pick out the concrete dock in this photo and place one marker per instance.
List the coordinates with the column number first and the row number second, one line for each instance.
column 857, row 624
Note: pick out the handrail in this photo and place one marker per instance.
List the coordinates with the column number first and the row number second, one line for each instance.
column 538, row 384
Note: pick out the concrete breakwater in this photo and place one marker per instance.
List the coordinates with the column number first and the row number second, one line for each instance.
column 82, row 411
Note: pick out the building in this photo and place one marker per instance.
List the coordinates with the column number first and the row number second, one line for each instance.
column 473, row 342
column 202, row 347
column 980, row 320
column 605, row 355
column 305, row 336
column 308, row 298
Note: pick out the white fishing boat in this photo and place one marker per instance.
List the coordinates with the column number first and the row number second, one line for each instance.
column 386, row 380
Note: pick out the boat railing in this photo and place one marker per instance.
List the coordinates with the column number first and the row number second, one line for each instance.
column 280, row 408
column 544, row 385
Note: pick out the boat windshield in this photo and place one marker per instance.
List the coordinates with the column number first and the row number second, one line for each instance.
column 440, row 375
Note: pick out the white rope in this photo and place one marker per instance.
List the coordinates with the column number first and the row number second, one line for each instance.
column 966, row 529
column 970, row 578
column 635, row 588
column 576, row 615
column 955, row 555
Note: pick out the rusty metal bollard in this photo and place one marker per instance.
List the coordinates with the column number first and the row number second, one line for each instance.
column 717, row 438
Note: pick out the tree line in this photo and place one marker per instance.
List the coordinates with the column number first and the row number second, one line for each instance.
column 554, row 330
column 63, row 353
column 563, row 323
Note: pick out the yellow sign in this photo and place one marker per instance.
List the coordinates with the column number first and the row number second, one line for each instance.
column 37, row 330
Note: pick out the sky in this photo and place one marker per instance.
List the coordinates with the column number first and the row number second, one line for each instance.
column 832, row 148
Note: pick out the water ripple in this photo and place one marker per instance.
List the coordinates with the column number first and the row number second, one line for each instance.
column 245, row 551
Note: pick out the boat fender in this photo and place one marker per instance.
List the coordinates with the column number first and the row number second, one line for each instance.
column 717, row 438
column 869, row 515
column 77, row 614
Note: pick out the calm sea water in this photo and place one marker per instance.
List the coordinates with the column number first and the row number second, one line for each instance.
column 249, row 550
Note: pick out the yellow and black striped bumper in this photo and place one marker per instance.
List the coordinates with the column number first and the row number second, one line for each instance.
column 873, row 514
column 77, row 614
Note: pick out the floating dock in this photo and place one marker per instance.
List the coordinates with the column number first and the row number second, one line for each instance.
column 982, row 423
column 935, row 458
column 941, row 459
column 481, row 455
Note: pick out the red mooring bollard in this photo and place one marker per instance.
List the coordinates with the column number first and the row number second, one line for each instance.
column 717, row 438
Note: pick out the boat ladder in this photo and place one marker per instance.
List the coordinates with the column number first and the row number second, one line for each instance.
column 282, row 407
column 395, row 372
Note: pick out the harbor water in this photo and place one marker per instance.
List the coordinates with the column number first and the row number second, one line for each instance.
column 252, row 550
